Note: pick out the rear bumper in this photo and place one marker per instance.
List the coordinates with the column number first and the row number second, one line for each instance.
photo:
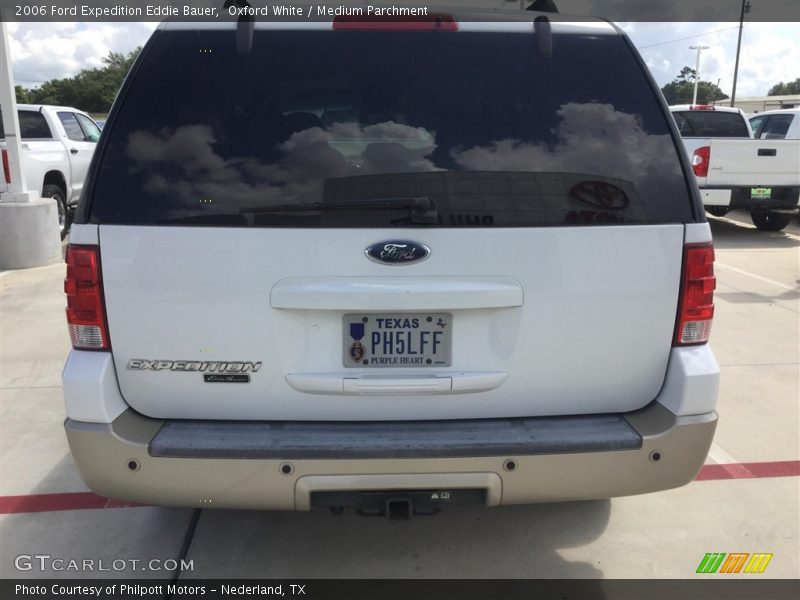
column 715, row 197
column 270, row 466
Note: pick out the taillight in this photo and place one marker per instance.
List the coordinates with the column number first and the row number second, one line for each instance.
column 696, row 302
column 701, row 160
column 6, row 167
column 431, row 22
column 86, row 313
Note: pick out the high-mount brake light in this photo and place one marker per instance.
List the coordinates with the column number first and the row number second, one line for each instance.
column 696, row 301
column 702, row 107
column 432, row 22
column 86, row 311
column 700, row 161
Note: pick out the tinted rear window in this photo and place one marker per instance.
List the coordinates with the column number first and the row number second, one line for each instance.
column 32, row 125
column 777, row 127
column 478, row 122
column 709, row 123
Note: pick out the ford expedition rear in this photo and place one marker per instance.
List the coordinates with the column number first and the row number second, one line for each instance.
column 389, row 266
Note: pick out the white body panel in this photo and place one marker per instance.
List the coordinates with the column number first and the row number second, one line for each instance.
column 396, row 293
column 696, row 233
column 692, row 383
column 591, row 334
column 83, row 234
column 738, row 163
column 91, row 392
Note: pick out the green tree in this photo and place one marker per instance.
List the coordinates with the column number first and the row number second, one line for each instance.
column 785, row 89
column 687, row 75
column 22, row 95
column 681, row 89
column 92, row 90
column 47, row 93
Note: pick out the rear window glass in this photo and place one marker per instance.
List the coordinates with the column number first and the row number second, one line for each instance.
column 309, row 121
column 32, row 125
column 709, row 123
column 777, row 127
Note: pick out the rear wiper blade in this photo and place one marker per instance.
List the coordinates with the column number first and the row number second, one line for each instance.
column 422, row 208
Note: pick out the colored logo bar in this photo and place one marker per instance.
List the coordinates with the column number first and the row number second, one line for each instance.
column 734, row 562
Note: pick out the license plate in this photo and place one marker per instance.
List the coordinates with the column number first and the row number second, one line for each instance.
column 397, row 340
column 761, row 193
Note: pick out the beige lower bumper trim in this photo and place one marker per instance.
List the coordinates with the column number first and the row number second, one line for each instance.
column 114, row 462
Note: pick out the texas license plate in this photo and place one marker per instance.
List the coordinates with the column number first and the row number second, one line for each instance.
column 761, row 193
column 397, row 340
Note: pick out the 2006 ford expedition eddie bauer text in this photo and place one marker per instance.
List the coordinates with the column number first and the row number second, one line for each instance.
column 389, row 265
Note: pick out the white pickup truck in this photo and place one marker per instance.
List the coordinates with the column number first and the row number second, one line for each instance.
column 735, row 171
column 57, row 146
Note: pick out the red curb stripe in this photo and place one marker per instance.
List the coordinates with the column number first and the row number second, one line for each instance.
column 786, row 468
column 34, row 503
column 781, row 468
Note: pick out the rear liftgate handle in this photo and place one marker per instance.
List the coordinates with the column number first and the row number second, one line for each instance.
column 446, row 383
column 416, row 385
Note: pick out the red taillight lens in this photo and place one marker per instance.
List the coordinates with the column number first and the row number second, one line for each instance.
column 86, row 314
column 701, row 160
column 432, row 22
column 6, row 167
column 696, row 302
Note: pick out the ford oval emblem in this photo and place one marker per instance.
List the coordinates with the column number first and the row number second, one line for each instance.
column 397, row 252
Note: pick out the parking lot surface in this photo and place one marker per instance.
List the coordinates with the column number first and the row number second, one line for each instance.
column 746, row 499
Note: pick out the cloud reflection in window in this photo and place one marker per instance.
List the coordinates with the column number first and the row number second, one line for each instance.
column 184, row 163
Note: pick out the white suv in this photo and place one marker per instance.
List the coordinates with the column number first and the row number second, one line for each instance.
column 389, row 266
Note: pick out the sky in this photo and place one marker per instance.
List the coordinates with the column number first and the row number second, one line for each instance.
column 770, row 51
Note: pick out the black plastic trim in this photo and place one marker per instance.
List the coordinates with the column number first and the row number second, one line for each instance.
column 405, row 439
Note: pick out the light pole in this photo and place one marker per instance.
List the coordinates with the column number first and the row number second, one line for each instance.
column 697, row 69
column 745, row 9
